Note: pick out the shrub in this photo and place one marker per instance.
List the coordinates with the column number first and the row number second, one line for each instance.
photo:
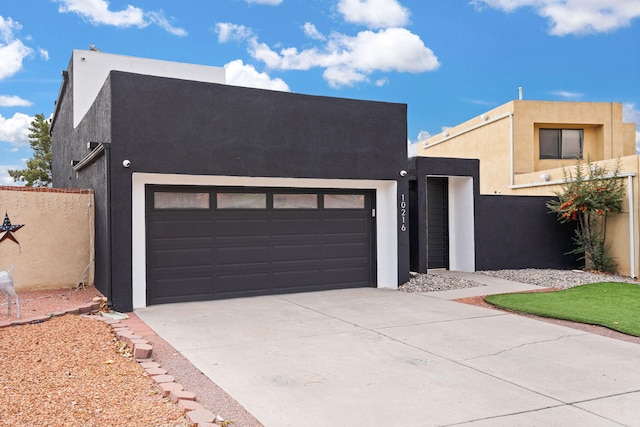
column 588, row 196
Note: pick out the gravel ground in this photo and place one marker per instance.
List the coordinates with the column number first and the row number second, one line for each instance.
column 131, row 381
column 559, row 279
column 70, row 371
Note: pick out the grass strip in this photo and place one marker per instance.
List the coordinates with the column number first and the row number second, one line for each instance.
column 614, row 305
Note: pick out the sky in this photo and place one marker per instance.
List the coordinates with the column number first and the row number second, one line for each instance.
column 448, row 60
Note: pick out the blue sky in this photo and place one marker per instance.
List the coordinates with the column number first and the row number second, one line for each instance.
column 449, row 60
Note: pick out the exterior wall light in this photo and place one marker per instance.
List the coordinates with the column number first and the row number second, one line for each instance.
column 545, row 177
column 403, row 173
column 126, row 163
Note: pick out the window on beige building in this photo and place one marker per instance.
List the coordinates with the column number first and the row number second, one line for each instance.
column 561, row 143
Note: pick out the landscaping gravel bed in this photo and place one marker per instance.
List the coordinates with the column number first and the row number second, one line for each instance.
column 559, row 279
column 546, row 278
column 70, row 371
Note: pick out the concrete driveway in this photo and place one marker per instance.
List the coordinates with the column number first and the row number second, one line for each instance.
column 376, row 357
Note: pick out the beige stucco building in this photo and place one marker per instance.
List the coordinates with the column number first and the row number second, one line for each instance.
column 524, row 145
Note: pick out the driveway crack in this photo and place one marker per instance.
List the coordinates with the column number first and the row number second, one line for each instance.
column 506, row 350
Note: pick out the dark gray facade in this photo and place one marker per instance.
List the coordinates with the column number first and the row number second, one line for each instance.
column 172, row 126
column 510, row 232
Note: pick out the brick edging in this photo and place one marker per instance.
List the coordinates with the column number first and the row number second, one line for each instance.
column 142, row 350
column 81, row 309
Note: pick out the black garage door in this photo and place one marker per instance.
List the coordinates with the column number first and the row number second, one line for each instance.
column 211, row 243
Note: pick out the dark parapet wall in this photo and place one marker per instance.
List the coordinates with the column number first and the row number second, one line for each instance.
column 514, row 232
column 177, row 126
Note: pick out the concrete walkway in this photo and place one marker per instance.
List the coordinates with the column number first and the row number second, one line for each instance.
column 376, row 357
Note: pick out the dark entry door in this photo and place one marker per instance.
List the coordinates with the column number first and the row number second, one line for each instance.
column 437, row 222
column 217, row 243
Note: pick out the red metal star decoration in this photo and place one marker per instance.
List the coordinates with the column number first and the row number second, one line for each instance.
column 7, row 229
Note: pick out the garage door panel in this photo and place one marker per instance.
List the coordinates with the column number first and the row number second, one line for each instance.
column 245, row 282
column 241, row 255
column 182, row 244
column 184, row 287
column 347, row 225
column 183, row 257
column 295, row 226
column 241, row 228
column 346, row 250
column 295, row 252
column 179, row 229
column 181, row 273
column 346, row 275
column 223, row 253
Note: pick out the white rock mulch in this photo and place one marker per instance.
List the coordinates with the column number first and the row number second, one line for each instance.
column 546, row 278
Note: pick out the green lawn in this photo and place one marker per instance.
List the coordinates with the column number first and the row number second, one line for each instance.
column 611, row 304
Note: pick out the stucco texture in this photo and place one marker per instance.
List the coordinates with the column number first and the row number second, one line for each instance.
column 55, row 245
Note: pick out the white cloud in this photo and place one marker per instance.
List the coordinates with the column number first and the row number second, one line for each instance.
column 232, row 32
column 5, row 179
column 374, row 13
column 14, row 101
column 240, row 74
column 267, row 2
column 97, row 12
column 12, row 50
column 15, row 130
column 412, row 149
column 574, row 16
column 44, row 53
column 349, row 60
column 423, row 135
column 381, row 82
column 159, row 19
column 567, row 95
column 312, row 32
column 630, row 114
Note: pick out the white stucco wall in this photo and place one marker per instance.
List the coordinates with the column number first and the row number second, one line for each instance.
column 91, row 68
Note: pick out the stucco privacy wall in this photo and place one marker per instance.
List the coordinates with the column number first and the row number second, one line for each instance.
column 56, row 243
column 623, row 229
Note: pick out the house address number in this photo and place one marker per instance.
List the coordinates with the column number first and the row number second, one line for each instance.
column 403, row 213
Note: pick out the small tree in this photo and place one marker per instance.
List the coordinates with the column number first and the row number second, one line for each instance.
column 588, row 196
column 38, row 171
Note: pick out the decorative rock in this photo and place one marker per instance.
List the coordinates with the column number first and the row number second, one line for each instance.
column 200, row 416
column 190, row 405
column 163, row 378
column 167, row 388
column 143, row 351
column 177, row 395
column 122, row 333
column 39, row 319
column 137, row 341
column 156, row 371
column 128, row 339
column 149, row 365
column 85, row 308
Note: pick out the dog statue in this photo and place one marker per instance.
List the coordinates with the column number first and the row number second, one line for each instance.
column 6, row 287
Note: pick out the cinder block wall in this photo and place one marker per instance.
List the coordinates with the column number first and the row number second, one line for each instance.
column 56, row 244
